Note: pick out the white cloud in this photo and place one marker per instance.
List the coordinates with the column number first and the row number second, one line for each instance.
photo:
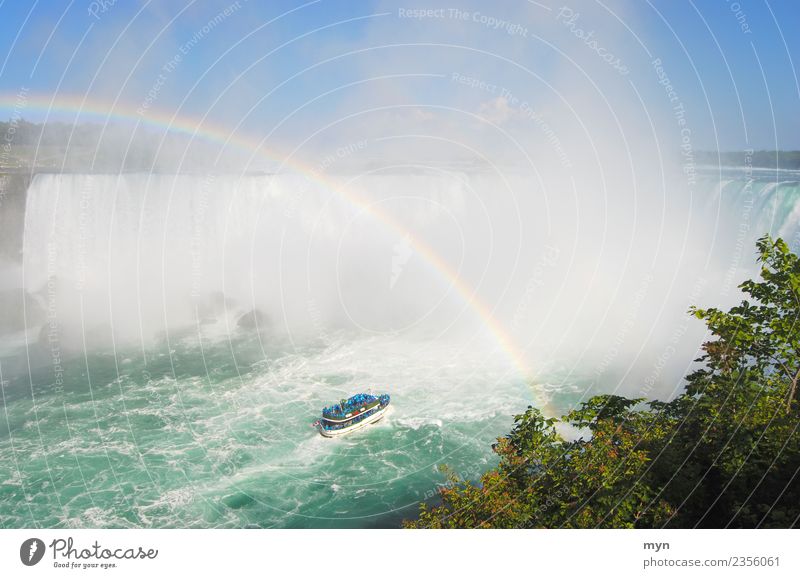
column 496, row 110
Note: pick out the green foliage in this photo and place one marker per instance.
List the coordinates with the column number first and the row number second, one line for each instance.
column 725, row 453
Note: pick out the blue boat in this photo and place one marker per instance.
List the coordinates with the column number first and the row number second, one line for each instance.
column 351, row 414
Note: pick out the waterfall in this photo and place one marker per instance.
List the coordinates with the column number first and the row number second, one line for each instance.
column 562, row 272
column 762, row 204
column 141, row 253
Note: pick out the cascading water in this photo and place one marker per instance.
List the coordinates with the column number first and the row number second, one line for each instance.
column 767, row 204
column 194, row 325
column 184, row 330
column 137, row 255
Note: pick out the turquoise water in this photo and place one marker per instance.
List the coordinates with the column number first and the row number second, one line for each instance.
column 209, row 427
column 217, row 434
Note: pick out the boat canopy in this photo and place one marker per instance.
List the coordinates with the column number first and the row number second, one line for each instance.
column 348, row 406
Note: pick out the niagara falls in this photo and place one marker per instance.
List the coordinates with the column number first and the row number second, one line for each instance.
column 398, row 266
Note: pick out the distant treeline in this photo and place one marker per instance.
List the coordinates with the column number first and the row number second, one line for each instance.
column 23, row 132
column 117, row 147
column 757, row 159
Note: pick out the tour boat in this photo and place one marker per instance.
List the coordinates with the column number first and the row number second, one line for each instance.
column 351, row 414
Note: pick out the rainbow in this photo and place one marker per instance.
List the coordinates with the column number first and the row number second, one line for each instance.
column 84, row 108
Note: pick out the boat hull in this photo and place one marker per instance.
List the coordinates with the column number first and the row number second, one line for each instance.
column 356, row 426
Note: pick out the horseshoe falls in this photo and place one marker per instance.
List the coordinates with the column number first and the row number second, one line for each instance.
column 167, row 340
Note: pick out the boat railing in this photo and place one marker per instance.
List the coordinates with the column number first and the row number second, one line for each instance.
column 358, row 418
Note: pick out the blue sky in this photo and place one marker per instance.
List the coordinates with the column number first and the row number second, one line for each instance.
column 730, row 63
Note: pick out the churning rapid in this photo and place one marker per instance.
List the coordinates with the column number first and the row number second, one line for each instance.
column 179, row 333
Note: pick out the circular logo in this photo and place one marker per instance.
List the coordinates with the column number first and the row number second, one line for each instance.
column 31, row 551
